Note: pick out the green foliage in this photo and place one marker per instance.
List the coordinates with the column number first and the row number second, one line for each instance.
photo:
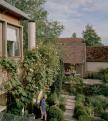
column 13, row 85
column 53, row 99
column 74, row 35
column 46, row 31
column 55, row 113
column 79, row 111
column 90, row 90
column 102, row 120
column 104, row 73
column 104, row 116
column 104, row 90
column 62, row 103
column 53, row 119
column 73, row 85
column 85, row 118
column 12, row 117
column 39, row 69
column 82, row 108
column 80, row 98
column 40, row 66
column 57, row 85
column 90, row 36
column 99, row 103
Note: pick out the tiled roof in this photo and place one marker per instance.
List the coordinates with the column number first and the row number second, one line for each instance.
column 73, row 53
column 70, row 40
column 97, row 54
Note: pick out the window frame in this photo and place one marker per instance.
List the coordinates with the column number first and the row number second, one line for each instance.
column 17, row 39
column 4, row 39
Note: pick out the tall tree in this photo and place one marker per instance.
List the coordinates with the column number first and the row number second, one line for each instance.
column 90, row 36
column 46, row 31
column 74, row 35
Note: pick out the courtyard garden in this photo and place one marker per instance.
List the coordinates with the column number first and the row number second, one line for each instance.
column 43, row 72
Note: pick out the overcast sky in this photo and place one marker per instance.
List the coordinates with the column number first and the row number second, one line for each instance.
column 75, row 14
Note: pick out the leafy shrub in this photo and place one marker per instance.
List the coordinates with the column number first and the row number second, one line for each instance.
column 62, row 103
column 80, row 98
column 95, row 90
column 55, row 114
column 102, row 120
column 85, row 118
column 104, row 90
column 53, row 119
column 12, row 117
column 73, row 85
column 79, row 110
column 99, row 103
column 104, row 73
column 53, row 99
column 62, row 107
column 37, row 111
column 92, row 90
column 82, row 109
column 104, row 116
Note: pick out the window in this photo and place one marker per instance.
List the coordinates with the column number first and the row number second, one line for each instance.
column 1, row 30
column 13, row 41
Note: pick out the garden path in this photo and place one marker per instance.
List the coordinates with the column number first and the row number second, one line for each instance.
column 70, row 105
column 92, row 81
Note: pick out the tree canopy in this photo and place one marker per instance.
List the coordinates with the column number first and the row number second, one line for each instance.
column 74, row 35
column 90, row 36
column 45, row 30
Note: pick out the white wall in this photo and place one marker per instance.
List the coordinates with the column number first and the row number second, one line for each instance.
column 96, row 66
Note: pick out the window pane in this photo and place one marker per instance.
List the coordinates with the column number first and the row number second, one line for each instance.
column 13, row 41
column 11, row 34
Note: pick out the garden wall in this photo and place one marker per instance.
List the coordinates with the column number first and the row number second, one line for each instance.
column 96, row 66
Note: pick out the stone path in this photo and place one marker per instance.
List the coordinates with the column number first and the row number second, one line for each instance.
column 92, row 81
column 70, row 105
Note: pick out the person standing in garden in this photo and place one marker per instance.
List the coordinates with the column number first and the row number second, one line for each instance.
column 43, row 108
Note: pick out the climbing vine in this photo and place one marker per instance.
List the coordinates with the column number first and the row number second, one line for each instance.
column 37, row 71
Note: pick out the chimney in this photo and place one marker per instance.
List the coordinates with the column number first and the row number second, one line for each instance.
column 31, row 35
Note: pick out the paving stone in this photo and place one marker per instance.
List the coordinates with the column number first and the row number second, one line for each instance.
column 70, row 105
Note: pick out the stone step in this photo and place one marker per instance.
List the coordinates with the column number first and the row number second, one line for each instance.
column 70, row 101
column 70, row 120
column 70, row 97
column 70, row 106
column 68, row 111
column 68, row 115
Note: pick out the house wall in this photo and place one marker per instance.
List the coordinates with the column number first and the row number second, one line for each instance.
column 10, row 19
column 96, row 66
column 0, row 39
column 6, row 19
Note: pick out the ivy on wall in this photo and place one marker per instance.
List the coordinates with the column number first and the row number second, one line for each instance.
column 37, row 71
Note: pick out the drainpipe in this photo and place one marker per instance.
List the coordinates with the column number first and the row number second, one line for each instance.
column 31, row 35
